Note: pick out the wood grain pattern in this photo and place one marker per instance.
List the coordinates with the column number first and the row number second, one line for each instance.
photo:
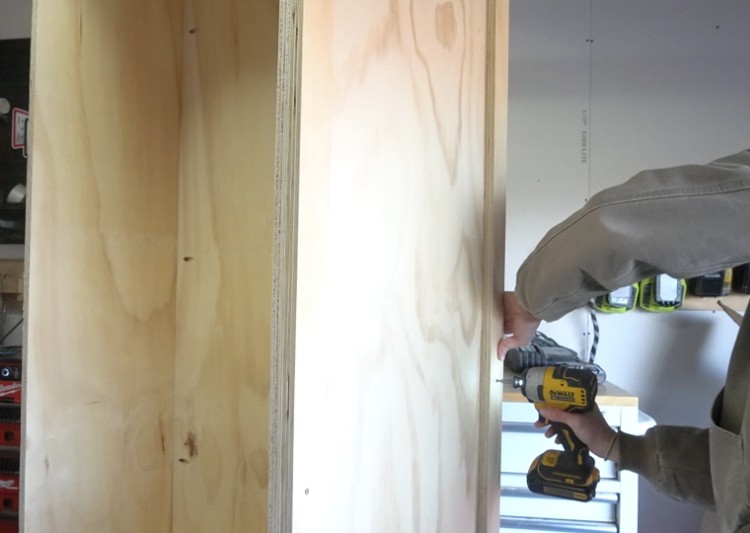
column 390, row 303
column 223, row 338
column 101, row 266
column 150, row 267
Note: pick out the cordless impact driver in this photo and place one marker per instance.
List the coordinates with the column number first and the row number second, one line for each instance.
column 570, row 473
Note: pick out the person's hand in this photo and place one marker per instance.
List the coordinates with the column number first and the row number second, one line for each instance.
column 590, row 427
column 519, row 325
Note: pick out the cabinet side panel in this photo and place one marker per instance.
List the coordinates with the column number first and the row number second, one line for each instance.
column 495, row 177
column 225, row 266
column 99, row 358
column 390, row 307
column 281, row 425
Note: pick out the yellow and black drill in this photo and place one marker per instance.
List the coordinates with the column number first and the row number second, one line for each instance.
column 570, row 473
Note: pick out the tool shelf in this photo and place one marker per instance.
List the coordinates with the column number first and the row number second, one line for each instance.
column 738, row 302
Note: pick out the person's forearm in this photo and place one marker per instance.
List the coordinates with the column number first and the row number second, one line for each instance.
column 674, row 459
column 607, row 446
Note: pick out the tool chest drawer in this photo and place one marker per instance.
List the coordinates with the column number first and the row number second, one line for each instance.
column 519, row 502
column 542, row 525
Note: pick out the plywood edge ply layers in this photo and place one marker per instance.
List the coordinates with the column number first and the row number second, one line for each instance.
column 488, row 500
column 285, row 269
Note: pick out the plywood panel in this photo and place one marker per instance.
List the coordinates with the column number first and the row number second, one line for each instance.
column 390, row 294
column 101, row 266
column 281, row 425
column 496, row 150
column 226, row 261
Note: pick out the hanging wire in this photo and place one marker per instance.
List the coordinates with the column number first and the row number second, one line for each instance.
column 595, row 326
column 11, row 330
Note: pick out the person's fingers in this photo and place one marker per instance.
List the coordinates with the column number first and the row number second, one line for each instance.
column 550, row 414
column 519, row 325
column 589, row 427
column 505, row 344
column 556, row 415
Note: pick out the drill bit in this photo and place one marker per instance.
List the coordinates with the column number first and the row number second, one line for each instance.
column 516, row 381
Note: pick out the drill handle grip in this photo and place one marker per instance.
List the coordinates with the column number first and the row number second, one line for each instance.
column 570, row 441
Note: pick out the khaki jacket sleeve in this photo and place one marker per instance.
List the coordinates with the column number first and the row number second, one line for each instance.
column 684, row 221
column 675, row 460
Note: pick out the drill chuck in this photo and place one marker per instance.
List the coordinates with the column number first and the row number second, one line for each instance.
column 563, row 387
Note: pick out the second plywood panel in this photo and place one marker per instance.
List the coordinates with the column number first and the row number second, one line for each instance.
column 389, row 308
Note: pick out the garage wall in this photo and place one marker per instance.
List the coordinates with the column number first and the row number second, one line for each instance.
column 598, row 91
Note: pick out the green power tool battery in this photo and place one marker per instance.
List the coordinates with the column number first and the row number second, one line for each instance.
column 662, row 293
column 618, row 301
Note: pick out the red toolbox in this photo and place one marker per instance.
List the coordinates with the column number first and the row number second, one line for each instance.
column 10, row 380
column 9, row 482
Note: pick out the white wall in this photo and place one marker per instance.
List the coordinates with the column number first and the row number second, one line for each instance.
column 15, row 19
column 662, row 83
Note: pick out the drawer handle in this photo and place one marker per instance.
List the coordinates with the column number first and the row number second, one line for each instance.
column 521, row 427
column 561, row 526
column 520, row 492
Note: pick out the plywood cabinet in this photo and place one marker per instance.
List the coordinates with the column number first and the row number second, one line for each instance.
column 235, row 239
column 149, row 266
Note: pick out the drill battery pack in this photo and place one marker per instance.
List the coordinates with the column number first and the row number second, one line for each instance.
column 559, row 474
column 620, row 300
column 741, row 278
column 713, row 284
column 661, row 294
